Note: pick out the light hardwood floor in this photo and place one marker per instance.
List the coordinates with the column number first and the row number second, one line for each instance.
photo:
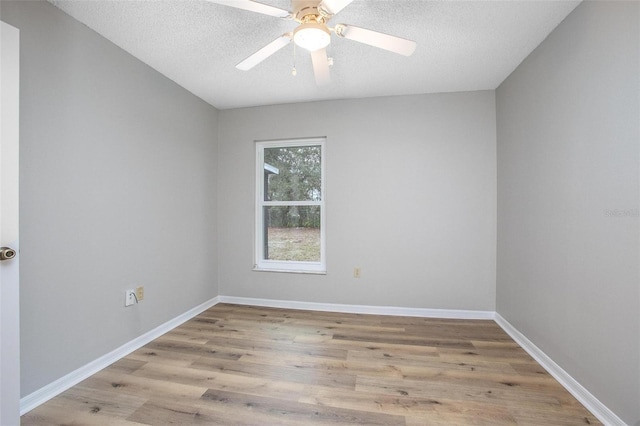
column 262, row 366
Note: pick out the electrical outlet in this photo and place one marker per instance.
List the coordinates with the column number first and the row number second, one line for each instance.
column 140, row 293
column 130, row 297
column 356, row 272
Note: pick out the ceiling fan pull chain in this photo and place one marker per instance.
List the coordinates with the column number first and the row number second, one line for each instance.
column 294, row 72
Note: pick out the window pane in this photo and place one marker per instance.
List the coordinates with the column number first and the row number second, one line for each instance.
column 293, row 173
column 292, row 233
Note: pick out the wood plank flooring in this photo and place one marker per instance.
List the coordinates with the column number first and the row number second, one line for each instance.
column 244, row 365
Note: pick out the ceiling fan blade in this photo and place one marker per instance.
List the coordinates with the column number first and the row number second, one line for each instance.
column 265, row 52
column 334, row 6
column 321, row 67
column 254, row 6
column 388, row 42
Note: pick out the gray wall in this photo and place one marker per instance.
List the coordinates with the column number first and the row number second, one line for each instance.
column 410, row 198
column 114, row 156
column 118, row 169
column 568, row 158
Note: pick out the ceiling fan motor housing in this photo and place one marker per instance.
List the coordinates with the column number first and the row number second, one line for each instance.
column 307, row 11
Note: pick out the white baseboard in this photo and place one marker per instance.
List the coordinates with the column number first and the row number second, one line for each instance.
column 593, row 404
column 604, row 414
column 47, row 392
column 359, row 309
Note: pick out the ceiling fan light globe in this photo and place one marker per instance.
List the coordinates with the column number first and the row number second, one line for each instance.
column 312, row 36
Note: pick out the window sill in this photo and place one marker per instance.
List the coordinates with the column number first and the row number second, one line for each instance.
column 290, row 271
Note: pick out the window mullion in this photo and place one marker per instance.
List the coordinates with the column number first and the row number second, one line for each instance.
column 292, row 203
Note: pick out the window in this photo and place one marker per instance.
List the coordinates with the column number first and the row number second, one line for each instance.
column 290, row 206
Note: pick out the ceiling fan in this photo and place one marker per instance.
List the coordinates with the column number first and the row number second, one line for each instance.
column 313, row 33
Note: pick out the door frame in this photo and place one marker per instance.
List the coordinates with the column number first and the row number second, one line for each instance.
column 9, row 269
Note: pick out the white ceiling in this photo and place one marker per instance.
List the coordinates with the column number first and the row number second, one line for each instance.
column 462, row 45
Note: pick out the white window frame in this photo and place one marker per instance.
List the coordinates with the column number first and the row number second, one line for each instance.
column 261, row 264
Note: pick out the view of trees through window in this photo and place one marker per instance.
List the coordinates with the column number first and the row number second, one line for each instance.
column 293, row 180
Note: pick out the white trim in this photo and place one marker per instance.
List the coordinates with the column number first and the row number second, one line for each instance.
column 53, row 389
column 593, row 404
column 289, row 271
column 359, row 309
column 9, row 222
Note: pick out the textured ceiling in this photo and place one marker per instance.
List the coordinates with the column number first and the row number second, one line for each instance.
column 462, row 45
